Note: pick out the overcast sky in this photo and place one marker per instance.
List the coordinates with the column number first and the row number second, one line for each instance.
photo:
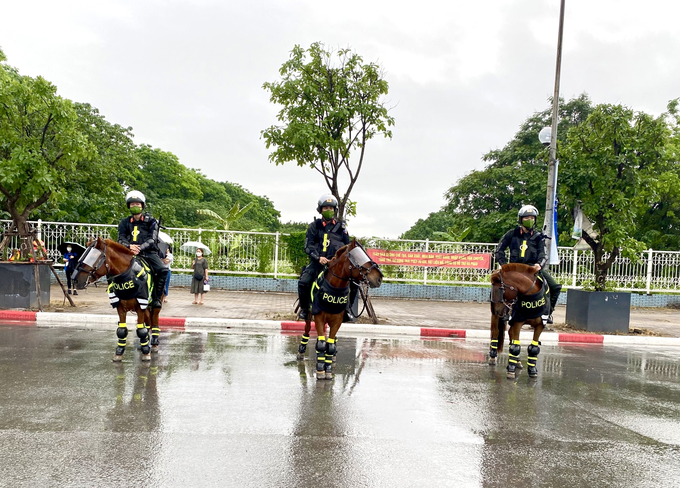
column 187, row 76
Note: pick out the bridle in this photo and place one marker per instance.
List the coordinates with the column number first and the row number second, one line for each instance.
column 508, row 303
column 357, row 258
column 97, row 262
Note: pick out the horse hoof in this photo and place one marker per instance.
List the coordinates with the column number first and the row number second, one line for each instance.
column 301, row 356
column 117, row 359
column 146, row 357
column 533, row 372
column 492, row 361
column 154, row 349
column 519, row 365
column 329, row 376
column 320, row 375
column 510, row 376
column 335, row 358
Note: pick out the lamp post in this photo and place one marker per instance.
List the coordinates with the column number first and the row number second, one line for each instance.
column 549, row 135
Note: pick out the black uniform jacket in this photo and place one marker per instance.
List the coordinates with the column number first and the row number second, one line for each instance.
column 142, row 232
column 525, row 248
column 325, row 237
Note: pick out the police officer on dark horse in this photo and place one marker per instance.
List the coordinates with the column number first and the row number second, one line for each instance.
column 528, row 246
column 139, row 233
column 324, row 237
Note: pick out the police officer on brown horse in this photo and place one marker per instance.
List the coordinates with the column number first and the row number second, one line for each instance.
column 139, row 233
column 528, row 246
column 324, row 237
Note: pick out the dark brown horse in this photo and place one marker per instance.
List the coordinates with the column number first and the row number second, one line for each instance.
column 117, row 263
column 350, row 263
column 510, row 288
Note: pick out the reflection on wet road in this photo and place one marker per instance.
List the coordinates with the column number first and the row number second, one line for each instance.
column 239, row 410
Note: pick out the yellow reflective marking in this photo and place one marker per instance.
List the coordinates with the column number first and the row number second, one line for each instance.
column 516, row 342
column 331, row 341
column 141, row 272
column 122, row 324
column 122, row 344
column 523, row 247
column 322, row 338
column 325, row 242
column 534, row 343
column 139, row 326
column 135, row 234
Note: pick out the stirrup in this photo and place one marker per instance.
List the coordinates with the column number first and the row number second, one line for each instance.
column 549, row 320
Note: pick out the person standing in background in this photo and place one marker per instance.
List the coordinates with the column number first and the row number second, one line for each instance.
column 167, row 261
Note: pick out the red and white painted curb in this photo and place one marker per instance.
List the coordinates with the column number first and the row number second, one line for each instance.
column 199, row 324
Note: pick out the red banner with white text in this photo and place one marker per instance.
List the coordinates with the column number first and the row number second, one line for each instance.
column 430, row 259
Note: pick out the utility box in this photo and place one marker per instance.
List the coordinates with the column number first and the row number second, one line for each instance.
column 17, row 285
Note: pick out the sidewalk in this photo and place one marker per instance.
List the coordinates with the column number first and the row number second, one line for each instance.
column 250, row 305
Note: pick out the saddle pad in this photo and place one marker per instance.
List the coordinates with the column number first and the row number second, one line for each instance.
column 530, row 307
column 135, row 283
column 327, row 298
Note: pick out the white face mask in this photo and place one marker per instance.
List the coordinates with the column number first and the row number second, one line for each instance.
column 68, row 249
column 199, row 254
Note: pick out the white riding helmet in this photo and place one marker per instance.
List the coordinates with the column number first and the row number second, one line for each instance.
column 527, row 211
column 135, row 196
column 326, row 201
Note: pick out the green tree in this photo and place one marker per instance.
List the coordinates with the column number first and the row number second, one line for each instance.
column 487, row 200
column 611, row 164
column 331, row 107
column 94, row 192
column 41, row 143
column 226, row 221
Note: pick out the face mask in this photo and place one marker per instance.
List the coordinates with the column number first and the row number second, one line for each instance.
column 528, row 223
column 68, row 249
column 199, row 254
column 135, row 210
column 328, row 214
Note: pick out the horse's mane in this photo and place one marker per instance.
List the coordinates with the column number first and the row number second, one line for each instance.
column 119, row 248
column 519, row 267
column 338, row 255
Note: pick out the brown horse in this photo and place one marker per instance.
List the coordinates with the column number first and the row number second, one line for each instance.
column 512, row 286
column 350, row 263
column 106, row 257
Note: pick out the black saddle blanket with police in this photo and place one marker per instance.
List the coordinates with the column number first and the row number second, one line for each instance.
column 327, row 298
column 530, row 307
column 136, row 282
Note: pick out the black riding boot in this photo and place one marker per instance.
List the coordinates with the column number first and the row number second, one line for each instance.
column 554, row 296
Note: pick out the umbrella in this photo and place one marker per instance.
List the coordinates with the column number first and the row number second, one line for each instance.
column 191, row 247
column 76, row 248
column 165, row 237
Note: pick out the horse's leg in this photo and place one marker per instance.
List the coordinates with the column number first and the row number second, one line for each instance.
column 302, row 349
column 331, row 349
column 154, row 316
column 320, row 324
column 493, row 350
column 533, row 350
column 514, row 350
column 121, row 333
column 143, row 334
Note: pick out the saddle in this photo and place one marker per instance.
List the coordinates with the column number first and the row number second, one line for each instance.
column 327, row 298
column 136, row 282
column 529, row 307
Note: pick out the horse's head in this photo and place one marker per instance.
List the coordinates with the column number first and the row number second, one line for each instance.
column 358, row 265
column 92, row 264
column 507, row 283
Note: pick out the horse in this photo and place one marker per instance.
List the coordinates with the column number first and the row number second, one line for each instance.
column 518, row 294
column 350, row 263
column 125, row 274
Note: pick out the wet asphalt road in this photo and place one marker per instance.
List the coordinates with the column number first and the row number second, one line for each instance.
column 239, row 410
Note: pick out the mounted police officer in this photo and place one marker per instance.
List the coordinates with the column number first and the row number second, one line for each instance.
column 528, row 246
column 139, row 233
column 324, row 237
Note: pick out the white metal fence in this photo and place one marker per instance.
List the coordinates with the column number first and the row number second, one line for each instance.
column 266, row 254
